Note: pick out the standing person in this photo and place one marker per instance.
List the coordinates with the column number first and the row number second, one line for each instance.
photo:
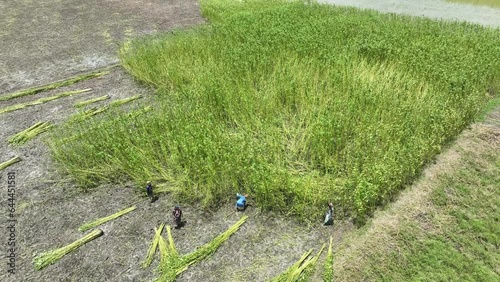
column 329, row 215
column 149, row 190
column 177, row 214
column 241, row 202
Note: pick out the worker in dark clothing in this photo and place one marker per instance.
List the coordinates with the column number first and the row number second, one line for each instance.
column 329, row 215
column 149, row 190
column 177, row 215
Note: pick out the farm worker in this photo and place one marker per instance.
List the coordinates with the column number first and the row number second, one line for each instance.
column 149, row 190
column 177, row 214
column 241, row 202
column 329, row 215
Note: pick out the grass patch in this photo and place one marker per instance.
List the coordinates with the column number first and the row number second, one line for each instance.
column 295, row 103
column 10, row 162
column 97, row 222
column 30, row 133
column 41, row 101
column 491, row 3
column 90, row 101
column 172, row 264
column 45, row 259
column 54, row 85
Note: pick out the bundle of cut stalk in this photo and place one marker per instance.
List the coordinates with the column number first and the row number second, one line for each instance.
column 51, row 257
column 90, row 101
column 124, row 101
column 140, row 112
column 30, row 133
column 301, row 270
column 328, row 270
column 100, row 221
column 284, row 276
column 35, row 90
column 306, row 270
column 41, row 101
column 173, row 265
column 154, row 244
column 9, row 162
column 87, row 113
column 92, row 112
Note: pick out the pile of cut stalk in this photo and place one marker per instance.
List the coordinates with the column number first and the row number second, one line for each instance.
column 9, row 162
column 45, row 259
column 171, row 263
column 30, row 133
column 301, row 270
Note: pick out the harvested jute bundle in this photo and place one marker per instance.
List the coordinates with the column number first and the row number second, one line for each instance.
column 50, row 257
column 328, row 268
column 30, row 133
column 9, row 162
column 102, row 220
column 172, row 264
column 154, row 244
column 301, row 270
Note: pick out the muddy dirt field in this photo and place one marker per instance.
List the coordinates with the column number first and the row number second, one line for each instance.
column 48, row 40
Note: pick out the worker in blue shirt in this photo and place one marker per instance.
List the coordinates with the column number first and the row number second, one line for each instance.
column 241, row 202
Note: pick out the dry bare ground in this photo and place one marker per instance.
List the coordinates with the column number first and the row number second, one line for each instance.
column 48, row 40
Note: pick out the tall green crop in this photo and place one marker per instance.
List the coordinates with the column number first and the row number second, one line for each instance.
column 296, row 104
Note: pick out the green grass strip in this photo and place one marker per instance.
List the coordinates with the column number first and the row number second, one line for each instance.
column 124, row 101
column 45, row 259
column 100, row 221
column 41, row 100
column 57, row 84
column 9, row 162
column 90, row 101
column 328, row 268
column 30, row 133
column 152, row 248
column 172, row 265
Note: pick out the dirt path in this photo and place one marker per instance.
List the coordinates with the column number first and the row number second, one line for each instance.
column 44, row 41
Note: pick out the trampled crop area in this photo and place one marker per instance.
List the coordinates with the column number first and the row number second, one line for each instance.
column 295, row 104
